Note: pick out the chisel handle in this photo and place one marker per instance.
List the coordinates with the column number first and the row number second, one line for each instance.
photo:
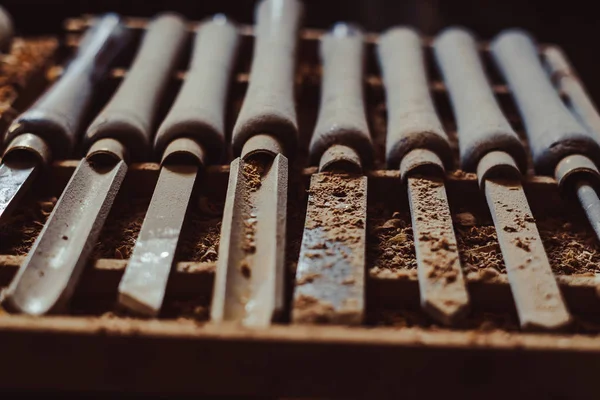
column 482, row 127
column 199, row 109
column 552, row 130
column 130, row 114
column 269, row 106
column 412, row 120
column 57, row 115
column 342, row 118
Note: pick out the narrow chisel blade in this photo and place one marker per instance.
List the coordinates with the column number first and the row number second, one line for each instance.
column 15, row 179
column 50, row 272
column 142, row 288
column 330, row 277
column 441, row 282
column 588, row 198
column 250, row 269
column 538, row 299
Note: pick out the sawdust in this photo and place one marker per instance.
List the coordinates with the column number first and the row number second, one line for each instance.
column 570, row 244
column 26, row 57
column 21, row 229
column 308, row 309
column 121, row 229
column 476, row 321
column 390, row 245
column 252, row 171
column 201, row 231
column 477, row 244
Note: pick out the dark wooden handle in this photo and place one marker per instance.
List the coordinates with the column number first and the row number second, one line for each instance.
column 130, row 115
column 412, row 120
column 482, row 127
column 552, row 130
column 269, row 106
column 57, row 115
column 199, row 110
column 342, row 118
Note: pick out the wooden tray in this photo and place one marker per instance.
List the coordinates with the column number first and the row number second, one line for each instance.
column 398, row 352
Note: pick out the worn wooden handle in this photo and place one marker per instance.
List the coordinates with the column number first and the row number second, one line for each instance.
column 199, row 110
column 57, row 116
column 269, row 102
column 130, row 114
column 412, row 120
column 552, row 130
column 342, row 118
column 482, row 127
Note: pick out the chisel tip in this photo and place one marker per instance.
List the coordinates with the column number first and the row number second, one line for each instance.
column 138, row 305
column 446, row 311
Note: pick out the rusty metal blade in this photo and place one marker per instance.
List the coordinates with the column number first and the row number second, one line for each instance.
column 142, row 288
column 50, row 272
column 250, row 269
column 15, row 179
column 330, row 279
column 442, row 285
column 538, row 299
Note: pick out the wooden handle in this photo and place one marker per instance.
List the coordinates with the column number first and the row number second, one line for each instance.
column 130, row 114
column 269, row 103
column 552, row 130
column 482, row 127
column 342, row 118
column 199, row 110
column 57, row 115
column 412, row 120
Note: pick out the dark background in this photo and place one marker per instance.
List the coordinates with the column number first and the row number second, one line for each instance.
column 573, row 24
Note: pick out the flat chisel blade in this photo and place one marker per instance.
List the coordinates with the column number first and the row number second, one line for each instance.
column 442, row 285
column 142, row 288
column 538, row 299
column 15, row 179
column 50, row 272
column 250, row 270
column 330, row 277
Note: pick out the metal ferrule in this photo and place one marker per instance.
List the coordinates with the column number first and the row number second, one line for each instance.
column 32, row 144
column 340, row 157
column 421, row 162
column 184, row 151
column 497, row 165
column 573, row 168
column 262, row 144
column 107, row 149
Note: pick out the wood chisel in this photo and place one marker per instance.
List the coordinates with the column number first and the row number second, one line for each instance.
column 191, row 136
column 419, row 146
column 489, row 145
column 561, row 145
column 330, row 278
column 249, row 280
column 49, row 128
column 123, row 128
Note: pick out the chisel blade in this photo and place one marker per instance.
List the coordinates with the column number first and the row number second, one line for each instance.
column 538, row 299
column 50, row 272
column 588, row 198
column 142, row 288
column 442, row 285
column 330, row 277
column 15, row 179
column 250, row 269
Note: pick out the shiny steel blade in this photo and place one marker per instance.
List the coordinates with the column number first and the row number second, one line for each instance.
column 538, row 299
column 47, row 277
column 330, row 279
column 143, row 285
column 441, row 282
column 588, row 198
column 15, row 179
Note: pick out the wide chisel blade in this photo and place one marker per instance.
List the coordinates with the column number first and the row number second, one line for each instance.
column 15, row 179
column 50, row 272
column 250, row 275
column 538, row 299
column 441, row 282
column 142, row 288
column 331, row 269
